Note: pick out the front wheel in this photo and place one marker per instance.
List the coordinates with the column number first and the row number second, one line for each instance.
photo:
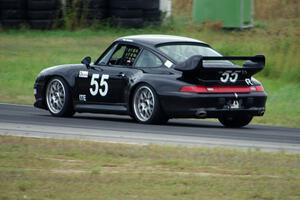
column 237, row 121
column 146, row 106
column 58, row 98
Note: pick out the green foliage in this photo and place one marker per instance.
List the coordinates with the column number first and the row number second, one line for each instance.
column 61, row 169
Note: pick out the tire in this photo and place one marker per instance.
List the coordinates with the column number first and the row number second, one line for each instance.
column 94, row 4
column 12, row 4
column 13, row 14
column 43, row 4
column 152, row 15
column 126, row 13
column 236, row 121
column 44, row 14
column 12, row 23
column 153, row 4
column 146, row 106
column 87, row 11
column 125, row 4
column 94, row 14
column 41, row 24
column 128, row 22
column 57, row 108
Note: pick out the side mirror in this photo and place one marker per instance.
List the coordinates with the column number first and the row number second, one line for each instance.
column 86, row 61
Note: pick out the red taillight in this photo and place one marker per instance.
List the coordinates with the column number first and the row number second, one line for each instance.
column 221, row 89
column 259, row 88
column 194, row 89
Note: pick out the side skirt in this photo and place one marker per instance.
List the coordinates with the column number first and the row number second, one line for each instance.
column 101, row 108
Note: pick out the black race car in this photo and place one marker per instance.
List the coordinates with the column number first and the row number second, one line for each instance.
column 154, row 78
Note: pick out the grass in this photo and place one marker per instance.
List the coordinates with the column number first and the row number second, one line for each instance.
column 60, row 169
column 282, row 109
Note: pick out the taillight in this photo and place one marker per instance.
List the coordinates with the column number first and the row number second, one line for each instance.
column 221, row 89
column 259, row 88
column 193, row 89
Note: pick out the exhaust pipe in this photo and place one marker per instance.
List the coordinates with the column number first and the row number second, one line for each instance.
column 201, row 114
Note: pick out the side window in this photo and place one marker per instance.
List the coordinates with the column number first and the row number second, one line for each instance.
column 118, row 53
column 148, row 59
column 106, row 57
column 124, row 55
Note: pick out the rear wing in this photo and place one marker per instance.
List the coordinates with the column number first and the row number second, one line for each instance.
column 195, row 67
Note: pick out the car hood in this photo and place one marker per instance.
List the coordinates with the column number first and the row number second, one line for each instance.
column 61, row 68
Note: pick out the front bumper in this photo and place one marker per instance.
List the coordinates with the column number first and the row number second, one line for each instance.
column 38, row 89
column 191, row 105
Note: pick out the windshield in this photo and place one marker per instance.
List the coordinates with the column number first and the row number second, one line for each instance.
column 181, row 52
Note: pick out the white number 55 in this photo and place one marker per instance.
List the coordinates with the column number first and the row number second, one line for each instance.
column 228, row 76
column 103, row 85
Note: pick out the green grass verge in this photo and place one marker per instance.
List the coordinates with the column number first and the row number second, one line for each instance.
column 61, row 169
column 24, row 53
column 282, row 109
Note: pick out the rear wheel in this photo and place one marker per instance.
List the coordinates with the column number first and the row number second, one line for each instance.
column 236, row 121
column 58, row 98
column 146, row 106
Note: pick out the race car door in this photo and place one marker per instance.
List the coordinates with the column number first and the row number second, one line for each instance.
column 106, row 82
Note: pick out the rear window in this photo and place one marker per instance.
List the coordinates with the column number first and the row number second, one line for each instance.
column 182, row 52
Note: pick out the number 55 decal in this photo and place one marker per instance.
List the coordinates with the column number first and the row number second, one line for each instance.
column 95, row 85
column 228, row 76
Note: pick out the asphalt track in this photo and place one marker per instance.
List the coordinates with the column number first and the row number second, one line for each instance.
column 27, row 121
